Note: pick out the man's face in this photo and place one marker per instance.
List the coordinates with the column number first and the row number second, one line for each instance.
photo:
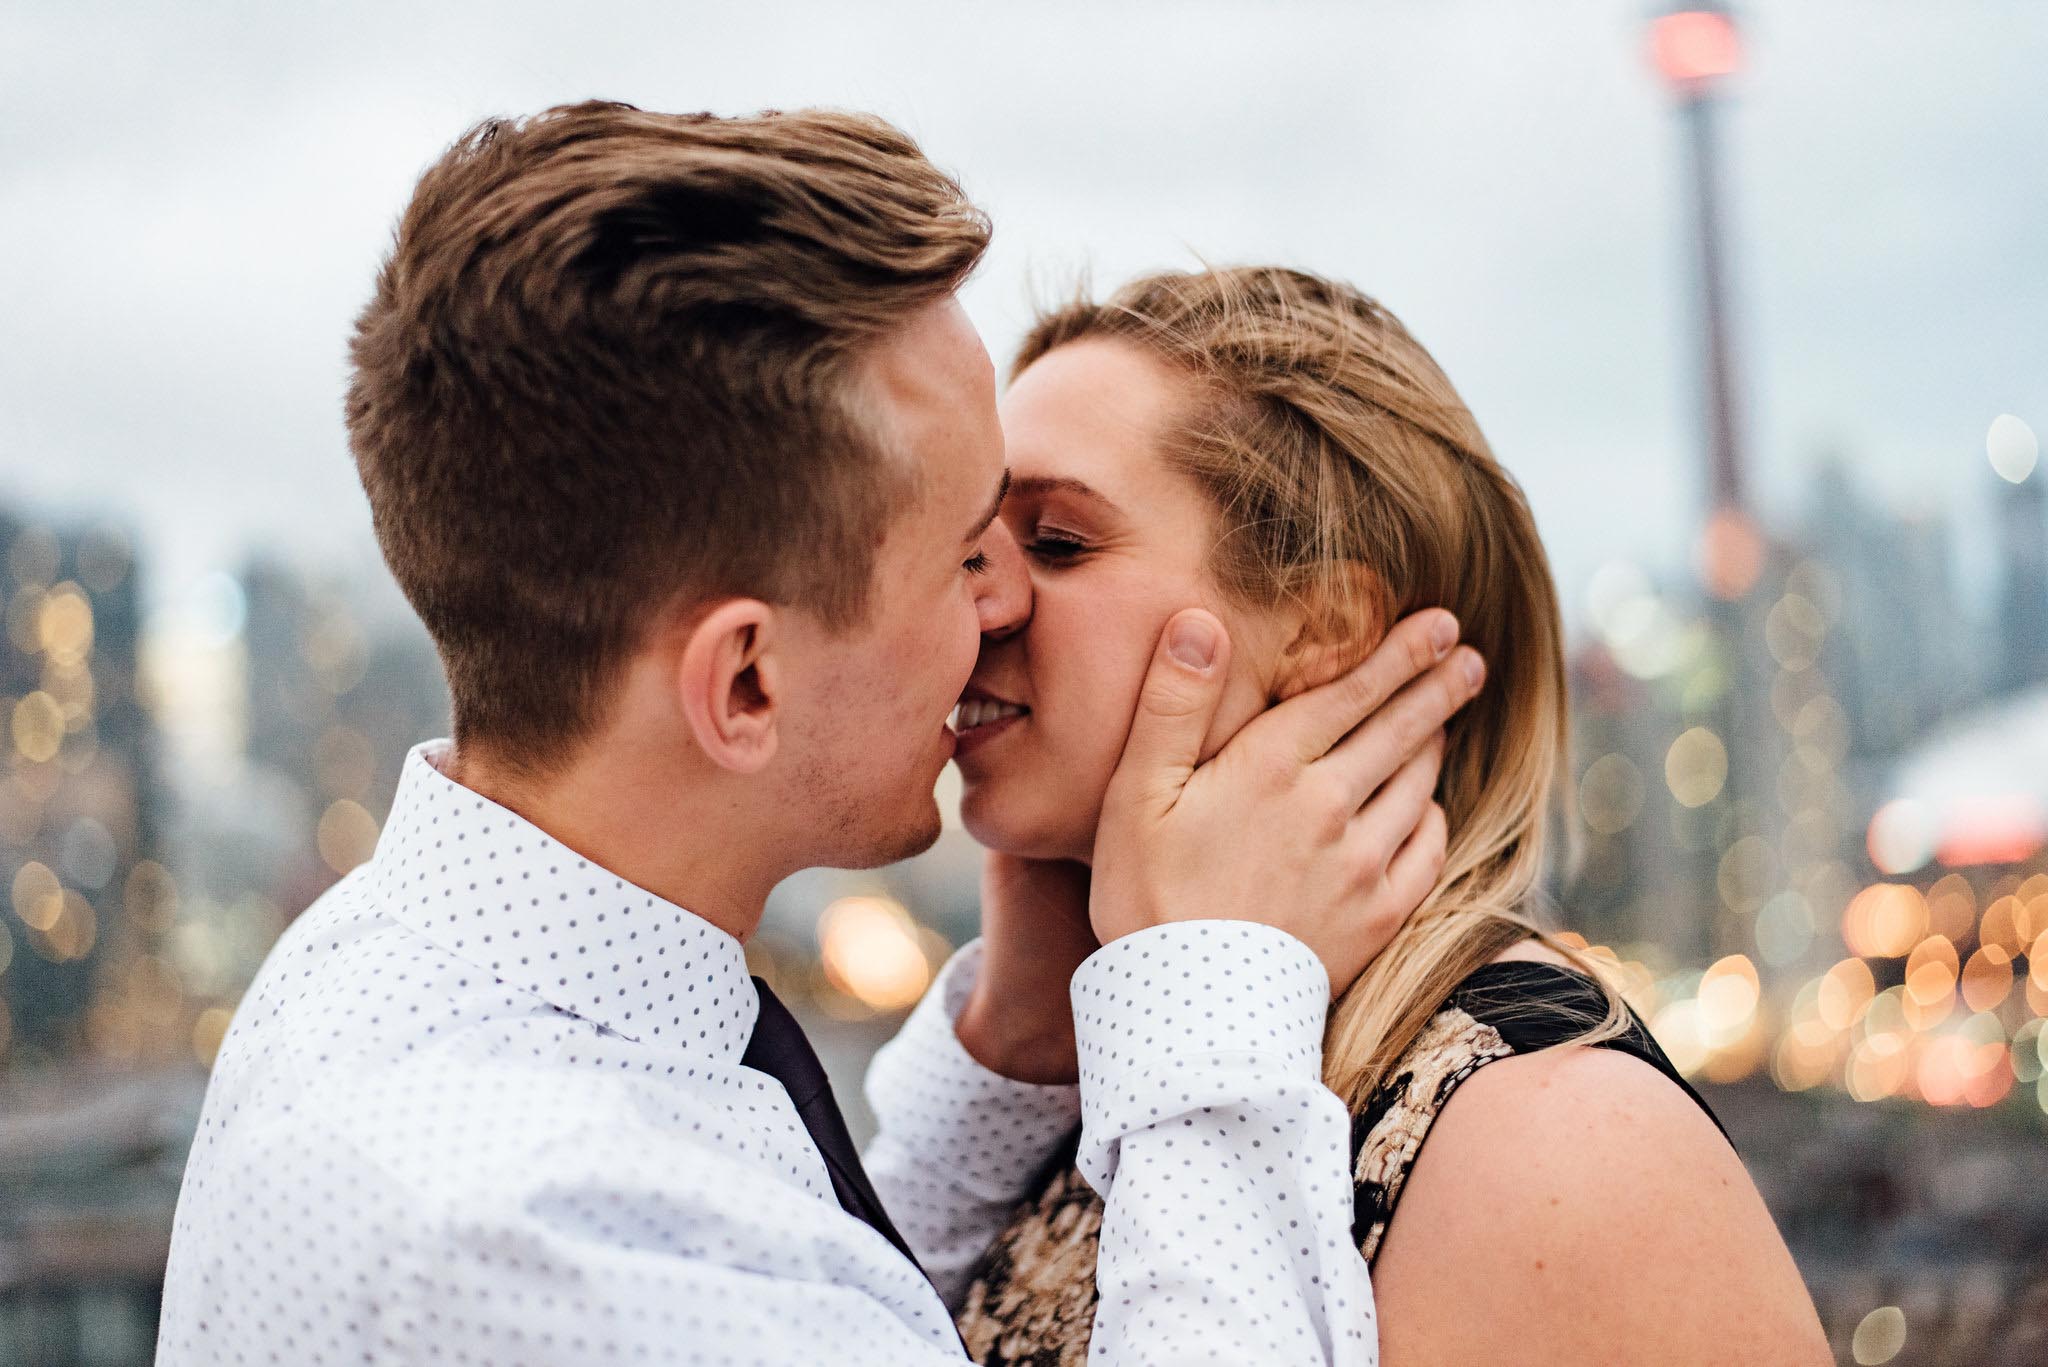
column 866, row 721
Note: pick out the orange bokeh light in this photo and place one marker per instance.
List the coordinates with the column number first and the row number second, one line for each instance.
column 1730, row 554
column 1987, row 978
column 1884, row 921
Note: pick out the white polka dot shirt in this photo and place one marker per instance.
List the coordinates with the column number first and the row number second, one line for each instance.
column 484, row 1105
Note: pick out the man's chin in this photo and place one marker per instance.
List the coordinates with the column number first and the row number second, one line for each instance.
column 907, row 840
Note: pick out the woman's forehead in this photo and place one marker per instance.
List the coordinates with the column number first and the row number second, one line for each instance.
column 1091, row 410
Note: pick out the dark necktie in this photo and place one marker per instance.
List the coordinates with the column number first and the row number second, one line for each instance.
column 780, row 1050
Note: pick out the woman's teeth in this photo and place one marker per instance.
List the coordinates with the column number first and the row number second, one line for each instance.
column 975, row 712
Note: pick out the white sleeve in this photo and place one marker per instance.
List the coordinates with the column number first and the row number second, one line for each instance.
column 958, row 1144
column 1222, row 1159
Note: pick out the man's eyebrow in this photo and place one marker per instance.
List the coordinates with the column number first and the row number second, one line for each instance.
column 1061, row 484
column 988, row 518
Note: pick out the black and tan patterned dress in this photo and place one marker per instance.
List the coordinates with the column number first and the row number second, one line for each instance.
column 1031, row 1302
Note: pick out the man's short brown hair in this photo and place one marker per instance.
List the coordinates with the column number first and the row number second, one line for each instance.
column 609, row 366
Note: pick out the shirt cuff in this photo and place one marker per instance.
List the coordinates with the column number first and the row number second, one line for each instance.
column 984, row 1131
column 1187, row 1015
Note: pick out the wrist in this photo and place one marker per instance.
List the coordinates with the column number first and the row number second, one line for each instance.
column 1023, row 1049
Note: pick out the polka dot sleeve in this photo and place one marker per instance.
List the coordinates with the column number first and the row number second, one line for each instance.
column 1221, row 1157
column 957, row 1143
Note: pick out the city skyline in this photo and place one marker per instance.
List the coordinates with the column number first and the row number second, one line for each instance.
column 1846, row 651
column 195, row 325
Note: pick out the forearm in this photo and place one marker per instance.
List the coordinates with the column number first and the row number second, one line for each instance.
column 957, row 1142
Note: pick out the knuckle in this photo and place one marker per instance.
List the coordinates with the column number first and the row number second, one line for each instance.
column 1169, row 698
column 1412, row 725
column 1362, row 689
column 1276, row 772
column 1383, row 852
column 1421, row 653
column 1451, row 694
column 1374, row 860
column 1333, row 811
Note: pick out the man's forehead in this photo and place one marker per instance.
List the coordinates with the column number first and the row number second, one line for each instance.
column 935, row 358
column 929, row 393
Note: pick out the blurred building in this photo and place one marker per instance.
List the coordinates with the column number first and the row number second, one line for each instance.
column 1904, row 651
column 88, row 1155
column 2021, row 634
column 341, row 682
column 1707, row 760
column 79, row 805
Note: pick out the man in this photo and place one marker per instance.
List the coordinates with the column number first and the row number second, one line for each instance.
column 677, row 440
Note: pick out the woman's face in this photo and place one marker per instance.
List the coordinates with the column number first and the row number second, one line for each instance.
column 1117, row 542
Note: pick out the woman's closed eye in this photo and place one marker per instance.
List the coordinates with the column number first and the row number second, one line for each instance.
column 1055, row 547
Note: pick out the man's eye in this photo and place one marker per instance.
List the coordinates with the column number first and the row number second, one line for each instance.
column 976, row 563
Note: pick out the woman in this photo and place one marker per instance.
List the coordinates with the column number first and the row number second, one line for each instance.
column 1278, row 447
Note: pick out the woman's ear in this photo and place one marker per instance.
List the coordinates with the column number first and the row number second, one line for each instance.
column 1332, row 624
column 729, row 681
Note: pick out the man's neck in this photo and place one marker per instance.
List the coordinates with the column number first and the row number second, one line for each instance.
column 680, row 841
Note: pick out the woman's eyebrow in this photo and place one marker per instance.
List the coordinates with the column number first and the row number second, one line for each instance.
column 1061, row 484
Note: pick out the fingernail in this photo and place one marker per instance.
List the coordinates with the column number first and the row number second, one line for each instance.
column 1475, row 670
column 1193, row 643
column 1444, row 634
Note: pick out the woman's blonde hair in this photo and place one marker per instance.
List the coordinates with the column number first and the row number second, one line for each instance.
column 1351, row 479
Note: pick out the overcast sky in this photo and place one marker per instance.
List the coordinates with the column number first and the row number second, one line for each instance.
column 193, row 198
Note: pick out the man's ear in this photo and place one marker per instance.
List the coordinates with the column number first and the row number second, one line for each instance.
column 1334, row 623
column 729, row 681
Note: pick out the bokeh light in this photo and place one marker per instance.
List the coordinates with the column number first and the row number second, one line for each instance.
column 1952, row 907
column 1747, row 873
column 1987, row 978
column 346, row 836
column 1785, row 928
column 64, row 625
column 1879, row 1336
column 871, row 951
column 38, row 727
column 1611, row 794
column 1794, row 631
column 2012, row 447
column 1903, row 836
column 1884, row 920
column 208, row 1031
column 1844, row 991
column 1696, row 767
column 1730, row 555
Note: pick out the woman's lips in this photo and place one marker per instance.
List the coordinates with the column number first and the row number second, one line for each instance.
column 976, row 708
column 979, row 720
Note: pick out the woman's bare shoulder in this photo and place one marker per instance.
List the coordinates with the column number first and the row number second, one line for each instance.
column 1573, row 1205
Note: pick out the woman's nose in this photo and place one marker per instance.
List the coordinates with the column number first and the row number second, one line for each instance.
column 1004, row 603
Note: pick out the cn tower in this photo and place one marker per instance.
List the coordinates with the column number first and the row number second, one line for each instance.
column 1695, row 48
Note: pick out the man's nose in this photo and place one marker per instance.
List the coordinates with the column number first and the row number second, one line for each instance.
column 1005, row 600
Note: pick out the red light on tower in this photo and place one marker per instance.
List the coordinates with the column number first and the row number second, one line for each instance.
column 1693, row 47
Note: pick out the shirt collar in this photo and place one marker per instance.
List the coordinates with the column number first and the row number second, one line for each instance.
column 491, row 888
